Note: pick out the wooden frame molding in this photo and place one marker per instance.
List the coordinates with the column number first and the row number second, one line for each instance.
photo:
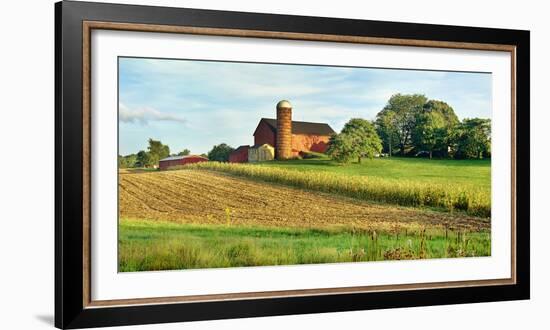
column 74, row 23
column 89, row 26
column 155, row 28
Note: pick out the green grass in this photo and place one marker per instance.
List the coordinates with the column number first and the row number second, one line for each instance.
column 448, row 185
column 154, row 245
column 439, row 171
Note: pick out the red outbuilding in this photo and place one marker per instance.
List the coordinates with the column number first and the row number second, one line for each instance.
column 239, row 155
column 172, row 161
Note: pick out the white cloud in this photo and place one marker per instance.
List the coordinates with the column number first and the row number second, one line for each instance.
column 144, row 115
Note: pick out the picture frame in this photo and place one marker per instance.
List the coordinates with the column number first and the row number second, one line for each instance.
column 74, row 24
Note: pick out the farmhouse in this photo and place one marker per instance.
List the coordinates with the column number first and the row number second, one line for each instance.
column 168, row 162
column 289, row 138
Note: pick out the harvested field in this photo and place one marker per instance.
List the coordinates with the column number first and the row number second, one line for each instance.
column 442, row 193
column 206, row 197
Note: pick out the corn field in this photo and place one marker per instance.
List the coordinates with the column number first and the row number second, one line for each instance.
column 470, row 199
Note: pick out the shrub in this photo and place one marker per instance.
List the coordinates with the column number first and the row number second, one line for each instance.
column 312, row 155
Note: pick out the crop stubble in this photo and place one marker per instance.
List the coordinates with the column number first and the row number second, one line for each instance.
column 205, row 197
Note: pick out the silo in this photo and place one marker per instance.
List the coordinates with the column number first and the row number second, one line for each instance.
column 284, row 130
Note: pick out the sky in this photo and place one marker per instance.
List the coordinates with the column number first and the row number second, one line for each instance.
column 197, row 104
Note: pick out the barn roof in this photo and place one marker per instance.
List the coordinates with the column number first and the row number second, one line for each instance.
column 241, row 147
column 301, row 127
column 180, row 157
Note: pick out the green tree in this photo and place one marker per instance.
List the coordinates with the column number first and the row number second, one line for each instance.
column 184, row 152
column 397, row 120
column 439, row 120
column 157, row 151
column 429, row 133
column 473, row 138
column 444, row 109
column 341, row 149
column 142, row 159
column 385, row 127
column 358, row 139
column 220, row 152
column 127, row 161
column 121, row 162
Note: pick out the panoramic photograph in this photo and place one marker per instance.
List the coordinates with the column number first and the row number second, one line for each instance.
column 236, row 164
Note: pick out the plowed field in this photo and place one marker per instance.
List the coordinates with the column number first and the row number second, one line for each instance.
column 205, row 197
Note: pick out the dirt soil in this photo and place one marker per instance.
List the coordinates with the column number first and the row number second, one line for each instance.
column 198, row 196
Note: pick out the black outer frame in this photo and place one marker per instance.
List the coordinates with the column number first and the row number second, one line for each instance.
column 69, row 308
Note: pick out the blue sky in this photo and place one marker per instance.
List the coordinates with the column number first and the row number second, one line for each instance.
column 197, row 104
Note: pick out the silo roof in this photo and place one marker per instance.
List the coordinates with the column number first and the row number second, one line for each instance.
column 284, row 104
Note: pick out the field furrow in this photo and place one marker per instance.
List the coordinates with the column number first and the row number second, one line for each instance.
column 198, row 196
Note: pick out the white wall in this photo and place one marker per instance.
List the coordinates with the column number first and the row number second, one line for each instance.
column 26, row 190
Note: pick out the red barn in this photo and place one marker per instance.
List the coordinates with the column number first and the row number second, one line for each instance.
column 239, row 155
column 305, row 136
column 286, row 138
column 168, row 162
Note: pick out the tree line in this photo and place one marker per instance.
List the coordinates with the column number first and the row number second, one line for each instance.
column 413, row 125
column 408, row 125
column 156, row 151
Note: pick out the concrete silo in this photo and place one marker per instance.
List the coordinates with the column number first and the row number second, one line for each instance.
column 283, row 148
